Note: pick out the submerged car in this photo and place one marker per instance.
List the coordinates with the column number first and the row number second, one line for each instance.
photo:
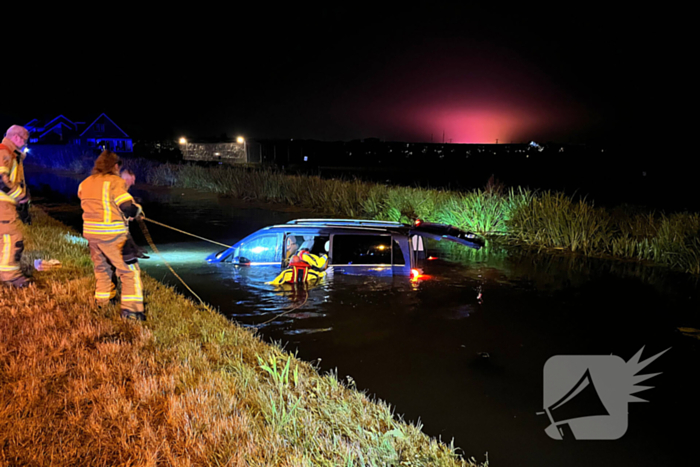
column 365, row 247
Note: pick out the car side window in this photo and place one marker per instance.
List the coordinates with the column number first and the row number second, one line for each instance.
column 361, row 249
column 262, row 249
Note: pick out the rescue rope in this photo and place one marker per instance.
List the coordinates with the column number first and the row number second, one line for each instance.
column 186, row 233
column 286, row 311
column 147, row 234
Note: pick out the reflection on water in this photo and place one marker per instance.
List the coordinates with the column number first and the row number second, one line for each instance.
column 463, row 348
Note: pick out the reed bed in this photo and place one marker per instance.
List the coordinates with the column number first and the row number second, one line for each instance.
column 81, row 386
column 543, row 219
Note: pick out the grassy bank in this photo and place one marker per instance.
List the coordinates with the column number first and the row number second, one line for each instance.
column 80, row 386
column 547, row 220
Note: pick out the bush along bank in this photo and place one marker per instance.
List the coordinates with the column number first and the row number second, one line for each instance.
column 82, row 386
column 545, row 220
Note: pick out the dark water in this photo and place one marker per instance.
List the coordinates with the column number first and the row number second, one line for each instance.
column 469, row 367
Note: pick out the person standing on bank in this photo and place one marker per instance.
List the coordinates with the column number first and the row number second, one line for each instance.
column 106, row 207
column 14, row 205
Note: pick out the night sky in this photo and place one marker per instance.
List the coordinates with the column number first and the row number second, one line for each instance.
column 401, row 73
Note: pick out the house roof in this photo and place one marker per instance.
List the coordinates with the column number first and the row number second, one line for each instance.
column 57, row 125
column 109, row 119
column 47, row 126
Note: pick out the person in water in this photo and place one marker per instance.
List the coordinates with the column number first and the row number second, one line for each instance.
column 304, row 267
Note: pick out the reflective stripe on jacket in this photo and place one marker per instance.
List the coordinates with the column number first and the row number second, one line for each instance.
column 100, row 197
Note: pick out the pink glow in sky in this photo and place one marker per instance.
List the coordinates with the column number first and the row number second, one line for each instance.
column 469, row 124
column 471, row 93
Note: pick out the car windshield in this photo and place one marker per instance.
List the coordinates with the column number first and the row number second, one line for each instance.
column 262, row 249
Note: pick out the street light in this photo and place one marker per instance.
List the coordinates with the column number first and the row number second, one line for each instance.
column 183, row 147
column 241, row 140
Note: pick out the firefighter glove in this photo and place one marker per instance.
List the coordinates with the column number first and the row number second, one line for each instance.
column 24, row 214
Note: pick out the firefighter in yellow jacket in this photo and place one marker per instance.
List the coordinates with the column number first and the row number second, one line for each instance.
column 304, row 267
column 106, row 207
column 14, row 205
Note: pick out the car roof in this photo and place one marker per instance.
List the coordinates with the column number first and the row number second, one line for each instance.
column 339, row 225
column 346, row 222
column 424, row 229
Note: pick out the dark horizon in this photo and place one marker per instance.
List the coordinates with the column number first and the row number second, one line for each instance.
column 478, row 74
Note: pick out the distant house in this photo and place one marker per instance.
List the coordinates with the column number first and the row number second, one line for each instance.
column 218, row 150
column 102, row 133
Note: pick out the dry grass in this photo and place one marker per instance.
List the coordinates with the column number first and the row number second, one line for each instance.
column 80, row 386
